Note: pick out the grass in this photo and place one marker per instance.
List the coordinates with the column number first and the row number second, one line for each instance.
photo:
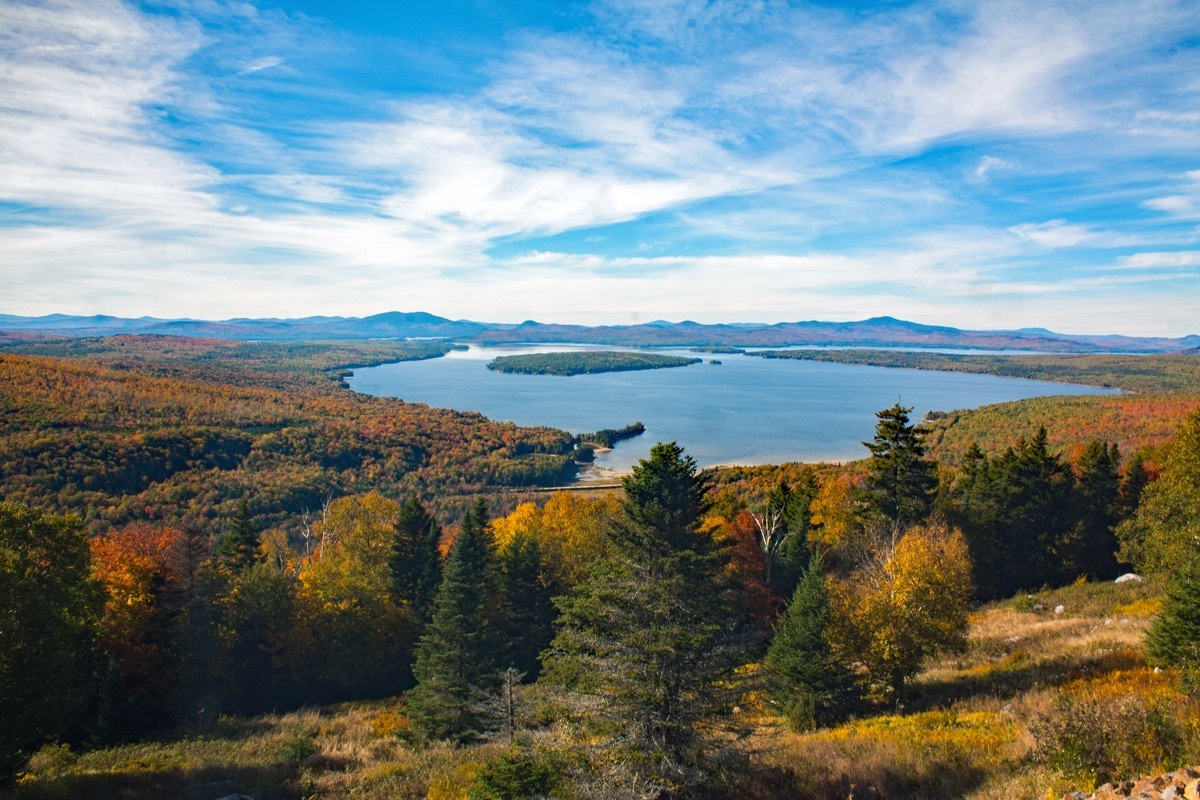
column 1038, row 704
column 978, row 723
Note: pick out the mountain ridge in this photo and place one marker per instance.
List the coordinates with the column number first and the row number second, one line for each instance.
column 883, row 331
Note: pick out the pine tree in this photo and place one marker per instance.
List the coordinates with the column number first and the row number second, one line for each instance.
column 528, row 604
column 416, row 564
column 900, row 479
column 1174, row 639
column 238, row 548
column 647, row 644
column 1090, row 547
column 459, row 655
column 810, row 684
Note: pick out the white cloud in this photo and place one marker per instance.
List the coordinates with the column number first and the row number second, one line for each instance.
column 1056, row 233
column 986, row 166
column 395, row 206
column 259, row 64
column 1183, row 258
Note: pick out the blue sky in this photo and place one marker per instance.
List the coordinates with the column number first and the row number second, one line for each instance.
column 977, row 164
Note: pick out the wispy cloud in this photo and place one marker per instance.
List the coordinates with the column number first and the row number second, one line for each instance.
column 1055, row 233
column 259, row 64
column 1176, row 260
column 765, row 162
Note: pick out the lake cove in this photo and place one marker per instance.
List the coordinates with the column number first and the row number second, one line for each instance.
column 747, row 410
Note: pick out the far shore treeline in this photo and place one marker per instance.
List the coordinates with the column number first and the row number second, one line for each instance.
column 585, row 362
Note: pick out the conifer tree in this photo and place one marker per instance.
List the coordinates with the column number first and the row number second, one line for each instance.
column 416, row 564
column 459, row 655
column 238, row 548
column 528, row 604
column 900, row 479
column 647, row 644
column 810, row 684
column 1174, row 639
column 1090, row 547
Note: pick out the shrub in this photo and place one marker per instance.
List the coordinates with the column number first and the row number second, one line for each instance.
column 1098, row 736
column 516, row 775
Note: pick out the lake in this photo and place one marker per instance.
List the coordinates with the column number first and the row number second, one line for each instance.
column 747, row 410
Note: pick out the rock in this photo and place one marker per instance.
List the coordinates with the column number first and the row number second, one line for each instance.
column 1172, row 792
column 1192, row 790
column 1059, row 609
column 1129, row 576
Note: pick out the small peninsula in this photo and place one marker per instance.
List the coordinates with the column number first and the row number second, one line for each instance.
column 586, row 362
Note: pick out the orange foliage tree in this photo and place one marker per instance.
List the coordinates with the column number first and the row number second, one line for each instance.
column 146, row 572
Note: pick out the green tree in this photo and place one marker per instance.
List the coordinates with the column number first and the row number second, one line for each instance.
column 238, row 547
column 460, row 654
column 809, row 682
column 49, row 612
column 416, row 563
column 1014, row 509
column 1174, row 639
column 900, row 480
column 647, row 644
column 528, row 604
column 1090, row 547
column 1167, row 523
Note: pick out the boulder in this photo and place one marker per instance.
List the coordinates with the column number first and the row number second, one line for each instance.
column 1129, row 576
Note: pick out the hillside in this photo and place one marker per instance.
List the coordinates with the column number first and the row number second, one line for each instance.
column 173, row 429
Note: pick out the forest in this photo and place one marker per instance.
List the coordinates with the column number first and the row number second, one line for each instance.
column 222, row 572
column 585, row 362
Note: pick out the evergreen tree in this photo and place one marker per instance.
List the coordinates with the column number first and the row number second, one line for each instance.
column 238, row 548
column 528, row 604
column 1090, row 547
column 783, row 525
column 1135, row 480
column 459, row 655
column 1014, row 509
column 1174, row 639
column 647, row 644
column 900, row 479
column 416, row 564
column 812, row 686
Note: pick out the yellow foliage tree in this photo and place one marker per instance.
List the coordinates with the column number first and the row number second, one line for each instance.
column 354, row 636
column 569, row 531
column 836, row 519
column 907, row 604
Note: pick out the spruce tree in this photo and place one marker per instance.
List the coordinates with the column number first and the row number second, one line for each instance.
column 238, row 548
column 900, row 479
column 1174, row 639
column 647, row 645
column 811, row 686
column 528, row 604
column 416, row 563
column 1090, row 547
column 460, row 654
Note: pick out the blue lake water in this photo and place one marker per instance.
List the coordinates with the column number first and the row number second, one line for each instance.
column 747, row 410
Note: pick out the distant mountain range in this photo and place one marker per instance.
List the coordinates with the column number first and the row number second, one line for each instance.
column 875, row 332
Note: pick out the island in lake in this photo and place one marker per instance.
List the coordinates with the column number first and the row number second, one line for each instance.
column 585, row 362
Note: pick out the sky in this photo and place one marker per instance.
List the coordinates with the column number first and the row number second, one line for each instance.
column 985, row 165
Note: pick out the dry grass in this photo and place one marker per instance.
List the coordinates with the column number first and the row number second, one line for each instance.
column 968, row 730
